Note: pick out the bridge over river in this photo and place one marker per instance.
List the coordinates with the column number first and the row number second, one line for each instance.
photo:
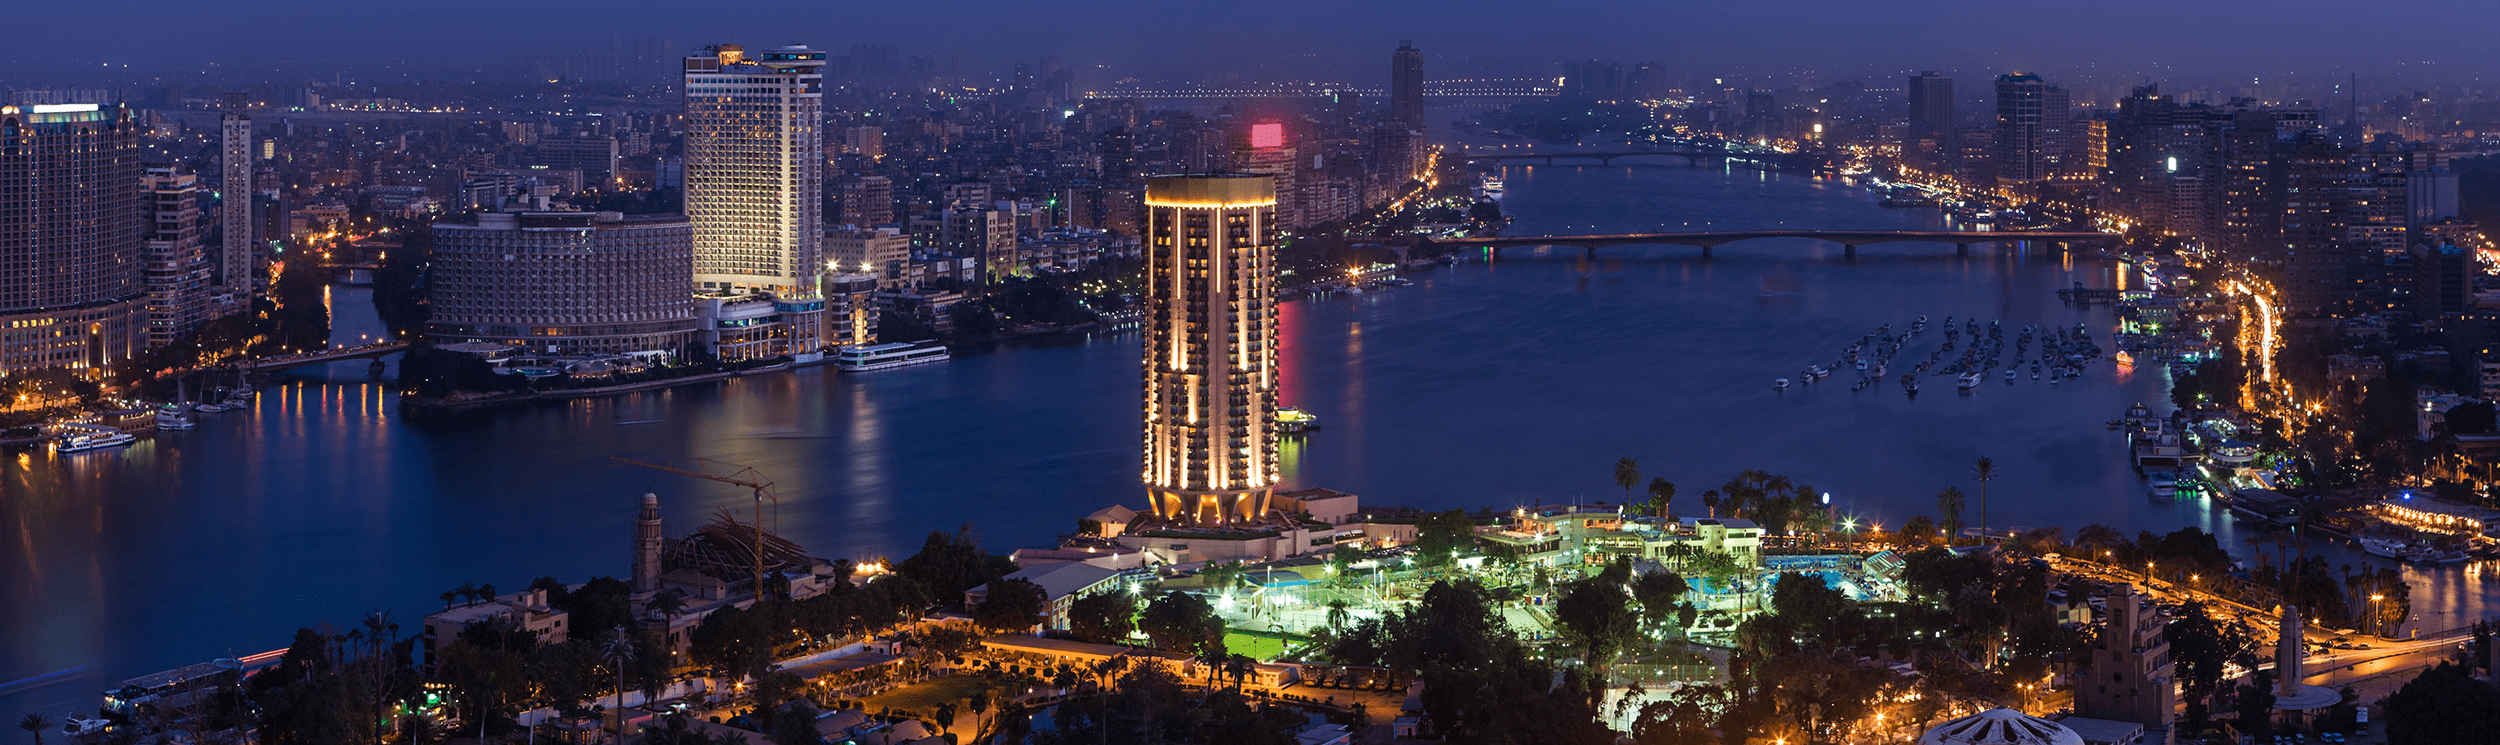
column 1849, row 240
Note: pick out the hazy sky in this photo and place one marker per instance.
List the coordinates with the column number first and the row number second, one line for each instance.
column 1292, row 38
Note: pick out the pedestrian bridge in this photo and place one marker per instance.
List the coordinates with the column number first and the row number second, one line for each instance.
column 274, row 364
column 1849, row 240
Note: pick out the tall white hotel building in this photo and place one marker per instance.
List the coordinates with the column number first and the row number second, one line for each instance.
column 755, row 186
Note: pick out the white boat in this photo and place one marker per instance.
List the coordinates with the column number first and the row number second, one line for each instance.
column 2382, row 546
column 210, row 408
column 1819, row 371
column 1968, row 381
column 173, row 417
column 1779, row 384
column 83, row 442
column 2163, row 484
column 1861, row 364
column 868, row 357
column 1492, row 186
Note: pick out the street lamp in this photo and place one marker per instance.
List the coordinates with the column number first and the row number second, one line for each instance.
column 2378, row 621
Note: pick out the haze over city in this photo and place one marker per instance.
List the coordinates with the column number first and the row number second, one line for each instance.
column 1127, row 373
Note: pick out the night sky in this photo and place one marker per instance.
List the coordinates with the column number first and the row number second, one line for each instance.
column 64, row 42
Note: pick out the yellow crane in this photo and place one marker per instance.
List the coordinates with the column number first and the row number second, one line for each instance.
column 746, row 476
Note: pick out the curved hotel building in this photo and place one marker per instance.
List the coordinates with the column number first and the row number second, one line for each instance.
column 1210, row 355
column 566, row 283
column 73, row 228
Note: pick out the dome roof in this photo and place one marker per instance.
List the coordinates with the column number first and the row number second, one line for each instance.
column 2000, row 727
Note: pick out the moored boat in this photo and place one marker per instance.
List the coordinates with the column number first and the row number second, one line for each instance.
column 868, row 357
column 85, row 441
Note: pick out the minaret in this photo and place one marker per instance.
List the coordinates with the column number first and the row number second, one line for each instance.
column 2287, row 648
column 647, row 549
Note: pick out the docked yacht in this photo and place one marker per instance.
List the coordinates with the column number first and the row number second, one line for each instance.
column 85, row 441
column 1968, row 381
column 2163, row 484
column 2383, row 546
column 1492, row 186
column 174, row 416
column 869, row 357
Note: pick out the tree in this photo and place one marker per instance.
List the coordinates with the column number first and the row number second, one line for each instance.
column 1983, row 471
column 1184, row 623
column 1103, row 618
column 1627, row 475
column 2470, row 418
column 2099, row 539
column 617, row 650
column 2200, row 648
column 951, row 564
column 2444, row 704
column 1710, row 501
column 1596, row 615
column 36, row 724
column 1661, row 495
column 1660, row 595
column 1338, row 614
column 1012, row 605
column 1442, row 535
column 1949, row 503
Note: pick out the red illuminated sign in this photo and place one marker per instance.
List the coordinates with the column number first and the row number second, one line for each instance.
column 1267, row 135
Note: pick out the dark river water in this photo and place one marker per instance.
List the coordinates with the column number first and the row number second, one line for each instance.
column 1490, row 384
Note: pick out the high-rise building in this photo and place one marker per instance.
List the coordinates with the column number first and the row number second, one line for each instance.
column 1931, row 118
column 2443, row 278
column 1210, row 351
column 983, row 232
column 755, row 168
column 1269, row 154
column 2025, row 137
column 877, row 251
column 238, row 258
column 72, row 293
column 868, row 201
column 572, row 283
column 177, row 272
column 594, row 155
column 1406, row 85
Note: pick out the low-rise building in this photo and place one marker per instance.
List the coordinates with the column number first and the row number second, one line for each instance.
column 526, row 610
column 1062, row 583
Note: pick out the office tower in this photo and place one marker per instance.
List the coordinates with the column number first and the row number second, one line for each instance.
column 2430, row 196
column 2443, row 278
column 866, row 250
column 570, row 283
column 74, row 230
column 2131, row 678
column 983, row 232
column 594, row 155
column 177, row 273
column 2317, row 250
column 1210, row 351
column 868, row 201
column 755, row 168
column 1931, row 109
column 867, row 142
column 238, row 257
column 2024, row 138
column 1269, row 155
column 1406, row 85
column 1119, row 157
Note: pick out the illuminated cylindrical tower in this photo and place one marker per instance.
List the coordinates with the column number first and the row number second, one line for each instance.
column 1210, row 347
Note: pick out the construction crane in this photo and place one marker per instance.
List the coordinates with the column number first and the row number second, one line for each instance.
column 704, row 468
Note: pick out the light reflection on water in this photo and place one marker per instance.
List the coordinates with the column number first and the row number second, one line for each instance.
column 1485, row 385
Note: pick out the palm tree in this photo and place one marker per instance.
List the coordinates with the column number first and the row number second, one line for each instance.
column 1661, row 493
column 1949, row 502
column 449, row 597
column 980, row 703
column 1983, row 471
column 617, row 650
column 1338, row 615
column 1627, row 474
column 1710, row 501
column 2099, row 539
column 36, row 724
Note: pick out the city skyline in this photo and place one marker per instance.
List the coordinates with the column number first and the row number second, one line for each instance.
column 2430, row 41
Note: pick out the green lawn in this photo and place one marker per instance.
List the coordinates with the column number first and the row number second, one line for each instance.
column 924, row 698
column 1257, row 647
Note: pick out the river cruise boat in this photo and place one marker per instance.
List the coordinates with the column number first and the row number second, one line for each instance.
column 1492, row 187
column 85, row 441
column 1291, row 420
column 888, row 356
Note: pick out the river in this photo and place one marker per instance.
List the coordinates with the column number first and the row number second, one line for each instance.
column 1497, row 383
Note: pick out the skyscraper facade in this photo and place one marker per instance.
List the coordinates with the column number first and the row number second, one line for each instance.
column 238, row 257
column 72, row 234
column 177, row 272
column 755, row 168
column 1406, row 85
column 1210, row 383
column 574, row 283
column 1931, row 117
column 2024, row 137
